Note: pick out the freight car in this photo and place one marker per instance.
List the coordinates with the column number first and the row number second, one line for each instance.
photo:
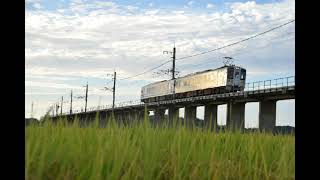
column 213, row 81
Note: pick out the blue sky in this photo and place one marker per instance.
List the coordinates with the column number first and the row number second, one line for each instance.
column 53, row 5
column 69, row 43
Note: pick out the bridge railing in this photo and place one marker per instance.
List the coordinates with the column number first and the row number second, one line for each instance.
column 268, row 84
column 101, row 107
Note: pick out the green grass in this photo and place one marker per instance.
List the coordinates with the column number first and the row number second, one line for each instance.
column 142, row 152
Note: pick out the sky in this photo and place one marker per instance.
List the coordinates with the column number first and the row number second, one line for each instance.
column 71, row 42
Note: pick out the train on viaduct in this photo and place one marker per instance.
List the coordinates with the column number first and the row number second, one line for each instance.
column 210, row 88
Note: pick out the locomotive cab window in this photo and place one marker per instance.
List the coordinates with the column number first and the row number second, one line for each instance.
column 243, row 74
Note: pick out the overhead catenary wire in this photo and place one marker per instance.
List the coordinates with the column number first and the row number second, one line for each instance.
column 243, row 40
column 245, row 52
column 216, row 49
column 146, row 71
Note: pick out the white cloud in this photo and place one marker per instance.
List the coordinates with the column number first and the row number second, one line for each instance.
column 37, row 6
column 210, row 6
column 50, row 85
column 152, row 12
column 48, row 77
column 78, row 6
column 190, row 3
column 132, row 8
column 42, row 93
column 32, row 1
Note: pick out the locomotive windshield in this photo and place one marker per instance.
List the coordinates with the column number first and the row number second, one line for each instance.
column 243, row 74
column 237, row 75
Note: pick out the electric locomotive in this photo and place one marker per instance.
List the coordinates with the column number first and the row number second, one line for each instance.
column 228, row 78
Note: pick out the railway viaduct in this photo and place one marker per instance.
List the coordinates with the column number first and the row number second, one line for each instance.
column 266, row 95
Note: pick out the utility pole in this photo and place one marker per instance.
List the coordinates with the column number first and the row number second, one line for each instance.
column 173, row 70
column 57, row 108
column 114, row 89
column 71, row 103
column 173, row 62
column 85, row 108
column 61, row 105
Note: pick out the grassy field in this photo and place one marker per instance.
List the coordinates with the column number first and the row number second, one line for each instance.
column 142, row 152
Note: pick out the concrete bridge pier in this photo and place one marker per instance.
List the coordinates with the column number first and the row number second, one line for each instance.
column 126, row 117
column 122, row 117
column 82, row 120
column 140, row 115
column 103, row 118
column 267, row 115
column 159, row 116
column 235, row 115
column 130, row 118
column 118, row 117
column 115, row 116
column 173, row 113
column 111, row 117
column 135, row 114
column 90, row 117
column 190, row 116
column 210, row 116
column 108, row 117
